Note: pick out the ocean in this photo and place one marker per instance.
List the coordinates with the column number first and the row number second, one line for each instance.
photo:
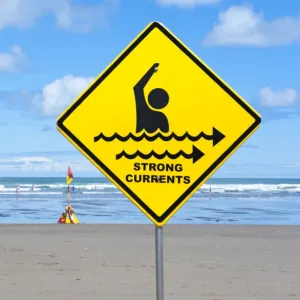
column 96, row 200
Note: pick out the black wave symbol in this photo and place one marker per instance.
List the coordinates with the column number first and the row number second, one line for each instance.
column 196, row 154
column 216, row 137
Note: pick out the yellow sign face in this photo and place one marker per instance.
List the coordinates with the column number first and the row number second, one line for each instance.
column 158, row 122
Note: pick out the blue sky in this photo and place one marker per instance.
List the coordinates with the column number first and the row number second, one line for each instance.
column 51, row 50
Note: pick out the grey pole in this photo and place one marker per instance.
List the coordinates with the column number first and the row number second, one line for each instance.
column 159, row 263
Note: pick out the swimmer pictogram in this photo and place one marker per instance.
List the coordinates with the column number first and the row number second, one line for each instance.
column 150, row 120
column 195, row 155
column 215, row 137
column 148, row 117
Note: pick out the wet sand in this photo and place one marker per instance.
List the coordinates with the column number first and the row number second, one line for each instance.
column 210, row 262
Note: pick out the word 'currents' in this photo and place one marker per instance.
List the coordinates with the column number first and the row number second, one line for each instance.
column 150, row 177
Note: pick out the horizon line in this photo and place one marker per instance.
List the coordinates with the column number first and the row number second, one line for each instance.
column 1, row 177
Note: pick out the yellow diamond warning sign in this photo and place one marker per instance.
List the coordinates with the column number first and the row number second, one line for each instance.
column 158, row 122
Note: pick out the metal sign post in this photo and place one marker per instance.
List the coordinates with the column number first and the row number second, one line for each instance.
column 159, row 263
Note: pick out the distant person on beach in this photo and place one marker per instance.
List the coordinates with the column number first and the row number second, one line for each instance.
column 17, row 191
column 32, row 188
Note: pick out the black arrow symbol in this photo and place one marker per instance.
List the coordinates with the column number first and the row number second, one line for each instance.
column 196, row 154
column 216, row 137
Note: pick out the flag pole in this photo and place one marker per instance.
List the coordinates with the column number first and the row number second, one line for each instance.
column 68, row 194
column 69, row 180
column 68, row 216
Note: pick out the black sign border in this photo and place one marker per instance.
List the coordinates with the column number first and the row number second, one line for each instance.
column 215, row 165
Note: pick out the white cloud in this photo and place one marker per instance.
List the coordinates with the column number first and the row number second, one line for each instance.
column 283, row 98
column 68, row 15
column 25, row 160
column 42, row 164
column 186, row 3
column 12, row 61
column 57, row 95
column 241, row 25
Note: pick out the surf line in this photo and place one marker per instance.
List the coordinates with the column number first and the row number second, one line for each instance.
column 157, row 173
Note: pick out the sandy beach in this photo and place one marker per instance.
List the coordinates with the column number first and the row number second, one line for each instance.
column 211, row 262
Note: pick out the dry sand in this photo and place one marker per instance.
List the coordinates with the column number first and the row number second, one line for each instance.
column 118, row 262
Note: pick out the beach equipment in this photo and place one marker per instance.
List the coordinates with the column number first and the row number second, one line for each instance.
column 68, row 216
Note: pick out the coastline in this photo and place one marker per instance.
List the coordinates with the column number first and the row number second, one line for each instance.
column 219, row 201
column 114, row 261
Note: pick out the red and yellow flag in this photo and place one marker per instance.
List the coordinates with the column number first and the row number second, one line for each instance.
column 69, row 176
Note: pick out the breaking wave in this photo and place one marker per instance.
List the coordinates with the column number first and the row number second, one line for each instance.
column 232, row 190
